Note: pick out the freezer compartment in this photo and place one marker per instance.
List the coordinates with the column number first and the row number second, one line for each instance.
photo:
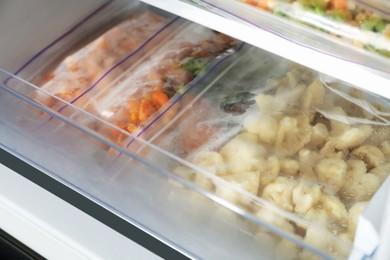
column 279, row 133
column 128, row 72
column 167, row 174
column 357, row 31
column 140, row 189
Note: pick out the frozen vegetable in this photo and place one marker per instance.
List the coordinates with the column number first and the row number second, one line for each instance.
column 77, row 72
column 307, row 150
column 140, row 92
column 351, row 20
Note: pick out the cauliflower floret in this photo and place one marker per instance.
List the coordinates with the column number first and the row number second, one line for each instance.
column 269, row 170
column 269, row 104
column 319, row 135
column 352, row 137
column 354, row 212
column 293, row 134
column 356, row 166
column 240, row 154
column 248, row 181
column 332, row 171
column 269, row 216
column 289, row 167
column 318, row 238
column 370, row 154
column 359, row 186
column 305, row 195
column 382, row 172
column 322, row 240
column 287, row 82
column 317, row 216
column 381, row 134
column 249, row 136
column 308, row 255
column 335, row 209
column 185, row 172
column 287, row 250
column 308, row 159
column 348, row 237
column 203, row 181
column 279, row 192
column 266, row 127
column 314, row 95
column 211, row 161
column 385, row 148
column 337, row 127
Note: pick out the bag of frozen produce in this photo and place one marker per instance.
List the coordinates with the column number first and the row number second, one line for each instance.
column 80, row 70
column 132, row 98
column 279, row 133
column 362, row 23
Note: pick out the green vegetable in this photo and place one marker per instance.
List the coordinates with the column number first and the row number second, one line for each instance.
column 370, row 23
column 338, row 15
column 374, row 23
column 194, row 65
column 371, row 48
column 314, row 3
column 380, row 26
column 280, row 13
column 319, row 10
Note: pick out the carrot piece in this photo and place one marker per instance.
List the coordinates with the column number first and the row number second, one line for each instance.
column 146, row 110
column 339, row 4
column 160, row 98
column 131, row 127
column 64, row 95
column 47, row 77
column 134, row 108
column 102, row 43
column 262, row 4
column 258, row 3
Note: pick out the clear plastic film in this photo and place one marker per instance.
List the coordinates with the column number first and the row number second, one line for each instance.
column 138, row 188
column 78, row 71
column 125, row 70
column 134, row 92
column 312, row 146
column 361, row 23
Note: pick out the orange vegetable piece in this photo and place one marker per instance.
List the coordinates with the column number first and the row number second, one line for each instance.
column 47, row 77
column 131, row 127
column 259, row 3
column 160, row 98
column 64, row 95
column 134, row 108
column 339, row 4
column 146, row 110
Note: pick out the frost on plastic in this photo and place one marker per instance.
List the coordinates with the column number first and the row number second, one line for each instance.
column 77, row 72
column 360, row 23
column 133, row 97
column 314, row 147
column 131, row 71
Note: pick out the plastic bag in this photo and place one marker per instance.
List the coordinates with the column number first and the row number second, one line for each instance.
column 133, row 97
column 358, row 22
column 310, row 145
column 77, row 72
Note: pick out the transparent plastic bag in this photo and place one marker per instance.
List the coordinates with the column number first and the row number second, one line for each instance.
column 132, row 97
column 312, row 146
column 77, row 72
column 357, row 22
